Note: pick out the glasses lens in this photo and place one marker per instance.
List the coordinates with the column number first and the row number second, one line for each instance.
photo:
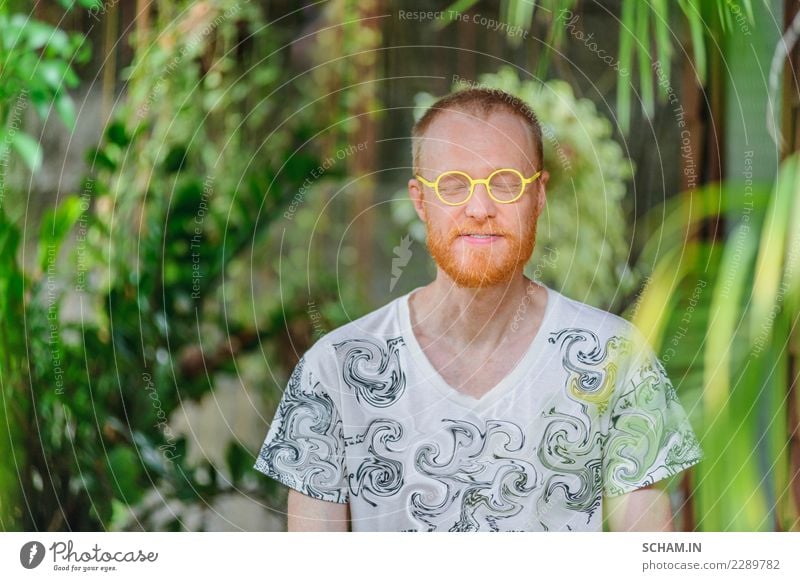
column 506, row 185
column 453, row 187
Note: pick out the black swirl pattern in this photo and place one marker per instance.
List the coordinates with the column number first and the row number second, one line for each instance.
column 650, row 436
column 481, row 467
column 593, row 370
column 570, row 449
column 377, row 475
column 304, row 447
column 613, row 424
column 373, row 373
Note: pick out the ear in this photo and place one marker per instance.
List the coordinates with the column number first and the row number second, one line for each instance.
column 541, row 191
column 417, row 198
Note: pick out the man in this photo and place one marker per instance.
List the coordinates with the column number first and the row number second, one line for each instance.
column 484, row 401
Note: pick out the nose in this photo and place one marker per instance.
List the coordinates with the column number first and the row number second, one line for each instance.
column 481, row 205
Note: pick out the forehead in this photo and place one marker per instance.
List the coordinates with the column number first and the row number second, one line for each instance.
column 464, row 140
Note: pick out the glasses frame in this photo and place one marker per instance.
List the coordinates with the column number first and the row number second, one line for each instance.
column 485, row 181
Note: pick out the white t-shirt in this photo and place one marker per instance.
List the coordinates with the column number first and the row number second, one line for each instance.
column 588, row 411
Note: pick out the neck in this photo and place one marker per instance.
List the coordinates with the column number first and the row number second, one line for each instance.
column 476, row 318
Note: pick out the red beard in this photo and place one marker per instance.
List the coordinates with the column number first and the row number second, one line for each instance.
column 481, row 265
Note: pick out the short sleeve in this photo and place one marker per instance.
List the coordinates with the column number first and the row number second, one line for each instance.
column 304, row 447
column 649, row 434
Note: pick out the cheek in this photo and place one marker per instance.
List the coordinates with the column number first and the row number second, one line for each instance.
column 443, row 219
column 521, row 218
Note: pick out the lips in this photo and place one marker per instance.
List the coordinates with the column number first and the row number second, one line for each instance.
column 478, row 238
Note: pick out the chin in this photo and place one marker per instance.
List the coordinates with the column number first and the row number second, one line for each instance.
column 480, row 278
column 471, row 265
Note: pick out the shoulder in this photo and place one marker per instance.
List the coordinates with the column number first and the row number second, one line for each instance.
column 377, row 327
column 575, row 313
column 578, row 320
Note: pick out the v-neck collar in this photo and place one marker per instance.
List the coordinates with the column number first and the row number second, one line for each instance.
column 526, row 363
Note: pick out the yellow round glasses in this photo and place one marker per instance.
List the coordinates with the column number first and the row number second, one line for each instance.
column 455, row 187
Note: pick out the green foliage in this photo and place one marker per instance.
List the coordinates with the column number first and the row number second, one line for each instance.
column 646, row 36
column 37, row 68
column 177, row 204
column 70, row 4
column 171, row 210
column 581, row 243
column 721, row 315
column 193, row 256
column 11, row 373
column 35, row 407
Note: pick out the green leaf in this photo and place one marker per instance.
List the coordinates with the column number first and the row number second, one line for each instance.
column 29, row 149
column 97, row 157
column 519, row 16
column 9, row 244
column 58, row 44
column 663, row 43
column 791, row 274
column 38, row 34
column 66, row 110
column 769, row 265
column 626, row 38
column 461, row 6
column 175, row 159
column 82, row 48
column 117, row 134
column 696, row 27
column 724, row 17
column 450, row 13
column 748, row 7
column 727, row 423
column 55, row 226
column 239, row 460
column 53, row 73
column 645, row 61
column 123, row 463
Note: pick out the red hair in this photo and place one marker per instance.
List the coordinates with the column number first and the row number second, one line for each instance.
column 481, row 102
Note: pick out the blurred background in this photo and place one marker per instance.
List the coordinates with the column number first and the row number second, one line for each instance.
column 193, row 192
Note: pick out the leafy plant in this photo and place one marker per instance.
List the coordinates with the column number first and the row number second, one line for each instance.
column 646, row 36
column 170, row 208
column 721, row 315
column 36, row 69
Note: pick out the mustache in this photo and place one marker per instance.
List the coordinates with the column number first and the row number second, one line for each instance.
column 456, row 232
